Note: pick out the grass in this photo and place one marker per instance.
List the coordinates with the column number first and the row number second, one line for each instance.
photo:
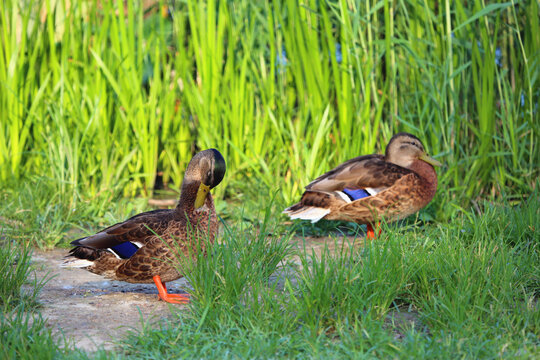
column 101, row 99
column 23, row 334
column 38, row 212
column 472, row 286
column 15, row 269
column 469, row 289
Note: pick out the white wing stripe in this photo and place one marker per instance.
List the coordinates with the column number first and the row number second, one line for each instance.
column 343, row 196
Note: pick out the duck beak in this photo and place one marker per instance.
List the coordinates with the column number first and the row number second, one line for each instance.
column 430, row 160
column 201, row 195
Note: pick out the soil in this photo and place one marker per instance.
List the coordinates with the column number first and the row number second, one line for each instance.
column 95, row 312
column 92, row 311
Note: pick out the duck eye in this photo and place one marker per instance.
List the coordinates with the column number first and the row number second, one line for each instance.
column 209, row 174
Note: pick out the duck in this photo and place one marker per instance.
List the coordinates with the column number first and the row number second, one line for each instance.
column 370, row 188
column 144, row 248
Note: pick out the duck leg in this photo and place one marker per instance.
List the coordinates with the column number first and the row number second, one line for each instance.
column 371, row 232
column 170, row 298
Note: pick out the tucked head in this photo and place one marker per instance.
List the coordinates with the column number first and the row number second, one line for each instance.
column 404, row 148
column 207, row 167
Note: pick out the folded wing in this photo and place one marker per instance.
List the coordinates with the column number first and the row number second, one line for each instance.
column 357, row 179
column 120, row 238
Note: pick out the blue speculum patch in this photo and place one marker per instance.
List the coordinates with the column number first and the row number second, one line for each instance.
column 356, row 194
column 125, row 250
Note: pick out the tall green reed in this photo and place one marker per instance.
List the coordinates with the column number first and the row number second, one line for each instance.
column 102, row 97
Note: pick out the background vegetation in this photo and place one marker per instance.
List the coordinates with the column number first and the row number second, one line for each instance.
column 100, row 99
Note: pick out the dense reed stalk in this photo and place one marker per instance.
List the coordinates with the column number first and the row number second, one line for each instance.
column 100, row 97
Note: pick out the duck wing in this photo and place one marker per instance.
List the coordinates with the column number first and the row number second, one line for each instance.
column 368, row 171
column 137, row 230
column 359, row 178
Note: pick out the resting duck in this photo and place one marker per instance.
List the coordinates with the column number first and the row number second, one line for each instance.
column 370, row 187
column 142, row 248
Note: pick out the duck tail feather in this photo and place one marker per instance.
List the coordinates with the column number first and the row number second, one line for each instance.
column 76, row 263
column 81, row 256
column 315, row 205
column 309, row 213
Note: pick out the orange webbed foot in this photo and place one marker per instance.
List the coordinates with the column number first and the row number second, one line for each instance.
column 371, row 233
column 170, row 298
column 175, row 298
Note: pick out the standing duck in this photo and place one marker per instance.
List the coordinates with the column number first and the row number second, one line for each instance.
column 142, row 249
column 371, row 187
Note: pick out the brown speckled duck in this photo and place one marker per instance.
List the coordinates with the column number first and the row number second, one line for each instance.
column 368, row 188
column 142, row 248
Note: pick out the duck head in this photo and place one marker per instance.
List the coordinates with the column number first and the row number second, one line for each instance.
column 207, row 168
column 404, row 149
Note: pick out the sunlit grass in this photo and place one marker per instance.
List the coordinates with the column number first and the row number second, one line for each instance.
column 102, row 98
column 468, row 288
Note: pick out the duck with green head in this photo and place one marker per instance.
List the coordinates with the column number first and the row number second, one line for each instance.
column 142, row 249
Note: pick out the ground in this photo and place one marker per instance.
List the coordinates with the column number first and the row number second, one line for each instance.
column 92, row 311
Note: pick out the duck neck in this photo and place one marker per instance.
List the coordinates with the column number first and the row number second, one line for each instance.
column 427, row 174
column 188, row 194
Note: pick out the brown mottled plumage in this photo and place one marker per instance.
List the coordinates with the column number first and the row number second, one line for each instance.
column 397, row 185
column 157, row 235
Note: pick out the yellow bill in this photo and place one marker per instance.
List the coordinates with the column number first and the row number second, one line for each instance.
column 201, row 195
column 430, row 160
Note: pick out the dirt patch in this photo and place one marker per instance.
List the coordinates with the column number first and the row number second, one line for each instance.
column 400, row 321
column 95, row 312
column 91, row 310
